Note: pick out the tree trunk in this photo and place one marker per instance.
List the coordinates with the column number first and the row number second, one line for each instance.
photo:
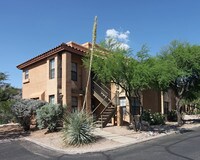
column 132, row 115
column 178, row 112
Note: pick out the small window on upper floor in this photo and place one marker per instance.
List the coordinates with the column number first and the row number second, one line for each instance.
column 26, row 74
column 52, row 68
column 74, row 71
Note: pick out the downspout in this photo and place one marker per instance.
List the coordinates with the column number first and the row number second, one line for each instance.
column 162, row 102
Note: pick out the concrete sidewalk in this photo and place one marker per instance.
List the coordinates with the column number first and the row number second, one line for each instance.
column 114, row 137
column 129, row 137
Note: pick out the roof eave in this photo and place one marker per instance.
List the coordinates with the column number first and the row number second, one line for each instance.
column 62, row 47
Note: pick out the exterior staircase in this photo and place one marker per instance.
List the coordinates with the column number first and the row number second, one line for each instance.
column 103, row 94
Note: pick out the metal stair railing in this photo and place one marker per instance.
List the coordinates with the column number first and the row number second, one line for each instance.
column 111, row 102
column 102, row 93
column 103, row 123
column 97, row 107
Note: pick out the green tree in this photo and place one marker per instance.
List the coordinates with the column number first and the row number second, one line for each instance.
column 178, row 68
column 113, row 64
column 7, row 94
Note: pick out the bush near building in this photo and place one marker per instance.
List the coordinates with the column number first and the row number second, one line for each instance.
column 49, row 116
column 23, row 109
column 153, row 118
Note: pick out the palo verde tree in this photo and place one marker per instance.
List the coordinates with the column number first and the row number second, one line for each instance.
column 178, row 68
column 114, row 64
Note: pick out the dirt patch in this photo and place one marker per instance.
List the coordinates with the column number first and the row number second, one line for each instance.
column 11, row 131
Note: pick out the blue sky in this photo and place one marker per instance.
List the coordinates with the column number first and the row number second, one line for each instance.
column 29, row 28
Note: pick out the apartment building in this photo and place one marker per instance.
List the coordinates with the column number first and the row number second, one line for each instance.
column 59, row 76
column 154, row 100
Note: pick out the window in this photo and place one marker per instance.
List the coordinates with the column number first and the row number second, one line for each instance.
column 52, row 68
column 52, row 99
column 122, row 103
column 60, row 67
column 74, row 103
column 74, row 71
column 26, row 75
column 166, row 107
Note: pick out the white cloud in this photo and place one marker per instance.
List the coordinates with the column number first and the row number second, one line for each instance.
column 122, row 37
column 112, row 33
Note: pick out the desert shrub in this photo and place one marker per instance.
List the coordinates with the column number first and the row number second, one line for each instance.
column 78, row 128
column 172, row 116
column 49, row 116
column 23, row 110
column 157, row 119
column 153, row 119
column 194, row 111
column 146, row 115
column 197, row 111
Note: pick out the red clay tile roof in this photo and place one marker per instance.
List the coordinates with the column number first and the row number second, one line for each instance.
column 70, row 47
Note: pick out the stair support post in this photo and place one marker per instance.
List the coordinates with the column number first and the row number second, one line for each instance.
column 119, row 116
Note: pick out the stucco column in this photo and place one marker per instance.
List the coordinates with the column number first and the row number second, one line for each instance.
column 66, row 79
column 119, row 116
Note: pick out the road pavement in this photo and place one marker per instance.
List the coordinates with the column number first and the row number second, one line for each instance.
column 182, row 146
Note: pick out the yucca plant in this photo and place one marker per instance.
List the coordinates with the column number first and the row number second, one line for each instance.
column 78, row 127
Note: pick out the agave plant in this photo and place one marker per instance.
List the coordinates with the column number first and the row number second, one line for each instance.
column 78, row 128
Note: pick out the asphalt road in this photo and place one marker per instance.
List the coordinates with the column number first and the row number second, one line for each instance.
column 184, row 146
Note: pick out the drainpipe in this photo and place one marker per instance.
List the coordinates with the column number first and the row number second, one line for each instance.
column 162, row 103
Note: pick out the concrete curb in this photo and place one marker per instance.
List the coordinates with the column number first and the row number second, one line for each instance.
column 135, row 141
column 97, row 150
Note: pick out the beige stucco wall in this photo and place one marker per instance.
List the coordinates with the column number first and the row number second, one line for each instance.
column 40, row 86
column 114, row 88
column 79, row 86
column 36, row 84
column 152, row 100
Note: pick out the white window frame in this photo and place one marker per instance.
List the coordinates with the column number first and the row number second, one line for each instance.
column 122, row 103
column 26, row 74
column 52, row 68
